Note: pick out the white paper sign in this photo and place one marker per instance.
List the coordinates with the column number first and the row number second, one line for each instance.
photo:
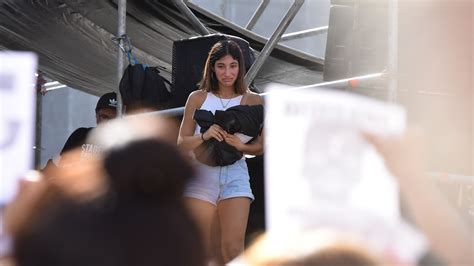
column 319, row 169
column 17, row 119
column 321, row 173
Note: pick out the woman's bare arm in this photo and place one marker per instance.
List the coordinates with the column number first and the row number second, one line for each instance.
column 186, row 138
column 253, row 148
column 447, row 232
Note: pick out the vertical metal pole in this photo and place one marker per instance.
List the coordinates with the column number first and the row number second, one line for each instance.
column 121, row 30
column 38, row 129
column 392, row 50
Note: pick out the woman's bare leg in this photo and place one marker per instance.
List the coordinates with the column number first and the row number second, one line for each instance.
column 216, row 241
column 233, row 216
column 203, row 214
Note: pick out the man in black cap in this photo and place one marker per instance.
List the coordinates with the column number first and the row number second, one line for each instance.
column 105, row 110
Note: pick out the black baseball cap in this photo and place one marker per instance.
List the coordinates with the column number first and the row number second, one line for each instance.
column 108, row 100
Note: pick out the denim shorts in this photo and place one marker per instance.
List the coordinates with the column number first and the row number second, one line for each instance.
column 213, row 184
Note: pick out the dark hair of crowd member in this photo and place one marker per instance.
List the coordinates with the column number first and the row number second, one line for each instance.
column 141, row 220
column 147, row 169
column 222, row 48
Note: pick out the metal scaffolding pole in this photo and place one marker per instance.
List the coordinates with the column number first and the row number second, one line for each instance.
column 273, row 41
column 121, row 30
column 39, row 125
column 184, row 9
column 392, row 50
column 304, row 33
column 258, row 13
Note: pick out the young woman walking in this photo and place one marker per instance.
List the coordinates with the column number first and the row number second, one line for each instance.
column 220, row 196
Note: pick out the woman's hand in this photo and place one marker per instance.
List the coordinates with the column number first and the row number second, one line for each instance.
column 233, row 140
column 403, row 154
column 215, row 131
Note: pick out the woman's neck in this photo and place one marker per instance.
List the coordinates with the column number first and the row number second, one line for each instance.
column 226, row 92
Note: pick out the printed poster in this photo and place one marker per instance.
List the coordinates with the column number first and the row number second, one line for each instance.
column 17, row 119
column 320, row 173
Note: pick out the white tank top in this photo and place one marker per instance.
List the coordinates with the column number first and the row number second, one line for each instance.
column 214, row 103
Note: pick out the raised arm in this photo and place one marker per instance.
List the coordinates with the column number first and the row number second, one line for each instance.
column 447, row 232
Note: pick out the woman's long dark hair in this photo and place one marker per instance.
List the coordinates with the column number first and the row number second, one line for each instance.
column 222, row 48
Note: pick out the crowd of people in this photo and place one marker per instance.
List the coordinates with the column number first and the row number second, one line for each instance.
column 144, row 198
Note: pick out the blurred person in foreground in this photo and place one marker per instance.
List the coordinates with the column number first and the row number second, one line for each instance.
column 121, row 207
column 321, row 247
column 448, row 236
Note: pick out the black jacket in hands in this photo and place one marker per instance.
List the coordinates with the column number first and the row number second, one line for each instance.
column 244, row 119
